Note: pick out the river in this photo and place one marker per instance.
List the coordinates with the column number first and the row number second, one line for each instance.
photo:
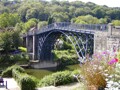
column 40, row 73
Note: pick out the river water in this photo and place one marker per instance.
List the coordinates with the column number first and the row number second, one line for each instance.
column 40, row 73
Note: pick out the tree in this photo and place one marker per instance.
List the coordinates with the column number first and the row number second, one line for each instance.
column 6, row 41
column 60, row 17
column 88, row 19
column 50, row 20
column 31, row 13
column 16, row 40
column 41, row 24
column 29, row 24
column 116, row 22
column 8, row 20
column 99, row 12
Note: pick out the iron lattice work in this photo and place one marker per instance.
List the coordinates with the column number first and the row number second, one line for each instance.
column 81, row 37
column 82, row 42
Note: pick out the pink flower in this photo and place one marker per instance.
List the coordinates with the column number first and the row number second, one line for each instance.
column 105, row 52
column 113, row 61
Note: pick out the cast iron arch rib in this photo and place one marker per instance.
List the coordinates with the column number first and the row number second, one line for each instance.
column 45, row 49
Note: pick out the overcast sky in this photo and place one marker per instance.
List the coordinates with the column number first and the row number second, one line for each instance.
column 110, row 3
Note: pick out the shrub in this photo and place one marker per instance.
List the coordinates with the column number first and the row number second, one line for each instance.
column 59, row 78
column 8, row 71
column 93, row 75
column 23, row 49
column 95, row 72
column 27, row 83
column 66, row 57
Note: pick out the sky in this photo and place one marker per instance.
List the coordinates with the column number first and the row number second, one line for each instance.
column 110, row 3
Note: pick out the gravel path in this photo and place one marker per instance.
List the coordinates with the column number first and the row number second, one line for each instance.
column 65, row 87
column 11, row 84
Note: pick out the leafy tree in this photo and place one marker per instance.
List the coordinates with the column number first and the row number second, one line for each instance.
column 88, row 19
column 116, row 22
column 8, row 20
column 31, row 13
column 29, row 24
column 6, row 41
column 99, row 12
column 102, row 20
column 41, row 24
column 60, row 17
column 16, row 40
column 50, row 20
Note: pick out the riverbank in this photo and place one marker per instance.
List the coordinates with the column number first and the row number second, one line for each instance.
column 40, row 73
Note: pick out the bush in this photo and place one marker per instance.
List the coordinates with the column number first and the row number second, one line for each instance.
column 66, row 57
column 59, row 78
column 25, row 81
column 8, row 71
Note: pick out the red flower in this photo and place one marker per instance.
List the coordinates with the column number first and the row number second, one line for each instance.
column 115, row 60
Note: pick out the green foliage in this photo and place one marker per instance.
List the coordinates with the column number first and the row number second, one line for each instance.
column 118, row 56
column 23, row 49
column 6, row 41
column 8, row 20
column 50, row 20
column 41, row 24
column 25, row 81
column 116, row 22
column 60, row 17
column 28, row 10
column 59, row 78
column 8, row 71
column 66, row 46
column 19, row 27
column 88, row 19
column 29, row 24
column 9, row 41
column 76, row 72
column 60, row 10
column 16, row 40
column 17, row 58
column 65, row 57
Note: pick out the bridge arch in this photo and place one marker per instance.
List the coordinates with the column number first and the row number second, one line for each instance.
column 80, row 41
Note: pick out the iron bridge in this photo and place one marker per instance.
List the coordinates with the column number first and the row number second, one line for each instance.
column 80, row 35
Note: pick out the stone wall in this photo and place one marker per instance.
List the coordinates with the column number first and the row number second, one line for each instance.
column 107, row 40
column 100, row 41
column 43, row 64
column 113, row 43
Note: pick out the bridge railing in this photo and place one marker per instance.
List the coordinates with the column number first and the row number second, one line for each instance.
column 71, row 27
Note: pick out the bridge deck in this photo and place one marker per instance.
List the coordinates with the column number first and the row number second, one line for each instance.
column 66, row 26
